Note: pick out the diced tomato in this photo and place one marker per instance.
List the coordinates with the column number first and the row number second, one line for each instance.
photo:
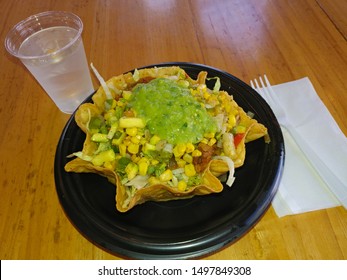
column 238, row 138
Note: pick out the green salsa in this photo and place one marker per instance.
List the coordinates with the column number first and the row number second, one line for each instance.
column 171, row 112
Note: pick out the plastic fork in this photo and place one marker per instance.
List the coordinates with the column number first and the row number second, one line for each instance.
column 324, row 172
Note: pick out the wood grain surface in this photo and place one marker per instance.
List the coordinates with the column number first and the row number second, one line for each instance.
column 287, row 40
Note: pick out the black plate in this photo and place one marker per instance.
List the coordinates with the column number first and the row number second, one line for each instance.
column 177, row 229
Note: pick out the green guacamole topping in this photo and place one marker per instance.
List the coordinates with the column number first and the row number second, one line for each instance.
column 171, row 112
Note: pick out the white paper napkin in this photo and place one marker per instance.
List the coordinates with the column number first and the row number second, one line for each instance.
column 302, row 188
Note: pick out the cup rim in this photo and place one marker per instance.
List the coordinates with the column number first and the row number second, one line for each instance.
column 33, row 17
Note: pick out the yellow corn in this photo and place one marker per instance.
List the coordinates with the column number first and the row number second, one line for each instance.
column 227, row 107
column 179, row 150
column 126, row 94
column 166, row 175
column 181, row 163
column 103, row 157
column 212, row 141
column 143, row 166
column 154, row 161
column 232, row 120
column 120, row 103
column 148, row 147
column 133, row 148
column 135, row 158
column 122, row 149
column 131, row 131
column 110, row 165
column 207, row 95
column 189, row 170
column 196, row 153
column 209, row 135
column 188, row 158
column 182, row 185
column 190, row 148
column 204, row 140
column 153, row 180
column 135, row 139
column 114, row 104
column 154, row 140
column 110, row 113
column 131, row 170
column 126, row 141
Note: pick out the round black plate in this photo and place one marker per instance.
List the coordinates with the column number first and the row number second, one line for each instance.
column 177, row 229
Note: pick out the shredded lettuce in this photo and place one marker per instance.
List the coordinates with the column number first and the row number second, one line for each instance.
column 231, row 167
column 217, row 85
column 136, row 75
column 102, row 82
column 81, row 155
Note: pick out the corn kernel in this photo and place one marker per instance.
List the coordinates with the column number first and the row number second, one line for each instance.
column 204, row 140
column 227, row 107
column 212, row 141
column 109, row 165
column 133, row 148
column 188, row 158
column 126, row 94
column 132, row 131
column 110, row 113
column 154, row 140
column 196, row 153
column 189, row 170
column 179, row 150
column 131, row 170
column 143, row 167
column 114, row 104
column 153, row 180
column 182, row 185
column 154, row 161
column 181, row 163
column 126, row 142
column 120, row 103
column 135, row 139
column 232, row 120
column 103, row 157
column 190, row 148
column 166, row 175
column 122, row 149
column 135, row 158
column 209, row 135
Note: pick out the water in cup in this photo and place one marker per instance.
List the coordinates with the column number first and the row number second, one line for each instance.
column 50, row 46
column 58, row 72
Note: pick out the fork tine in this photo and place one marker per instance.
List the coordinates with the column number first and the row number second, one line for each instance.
column 252, row 85
column 272, row 93
column 261, row 82
column 273, row 97
column 257, row 85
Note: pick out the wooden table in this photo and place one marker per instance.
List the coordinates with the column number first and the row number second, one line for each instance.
column 287, row 40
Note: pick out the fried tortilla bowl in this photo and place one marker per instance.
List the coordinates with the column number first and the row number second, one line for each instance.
column 213, row 159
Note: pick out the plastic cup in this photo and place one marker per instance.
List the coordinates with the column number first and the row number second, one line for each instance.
column 49, row 44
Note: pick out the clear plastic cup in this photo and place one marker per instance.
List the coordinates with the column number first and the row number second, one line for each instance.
column 49, row 44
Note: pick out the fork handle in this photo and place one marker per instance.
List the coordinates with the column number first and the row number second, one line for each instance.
column 334, row 183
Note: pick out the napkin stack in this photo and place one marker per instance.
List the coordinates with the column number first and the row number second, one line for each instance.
column 315, row 171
